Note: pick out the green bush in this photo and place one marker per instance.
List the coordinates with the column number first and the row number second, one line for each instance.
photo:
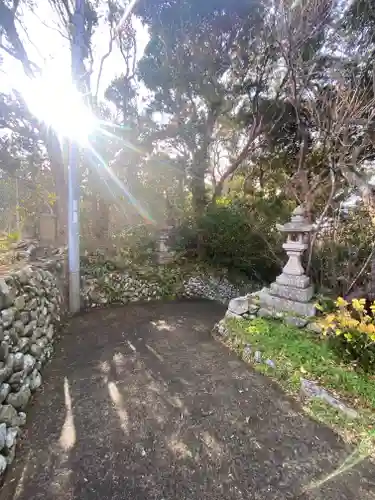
column 341, row 250
column 136, row 245
column 235, row 235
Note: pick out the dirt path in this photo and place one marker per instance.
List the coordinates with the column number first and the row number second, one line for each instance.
column 141, row 403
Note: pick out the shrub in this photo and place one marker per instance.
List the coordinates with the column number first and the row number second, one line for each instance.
column 236, row 235
column 341, row 249
column 351, row 331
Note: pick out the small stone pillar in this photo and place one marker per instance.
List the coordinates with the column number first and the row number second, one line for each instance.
column 292, row 292
column 164, row 253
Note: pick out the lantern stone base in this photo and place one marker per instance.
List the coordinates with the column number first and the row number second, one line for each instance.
column 292, row 293
column 277, row 304
column 293, row 281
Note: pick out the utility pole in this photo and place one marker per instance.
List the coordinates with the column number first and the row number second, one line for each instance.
column 73, row 174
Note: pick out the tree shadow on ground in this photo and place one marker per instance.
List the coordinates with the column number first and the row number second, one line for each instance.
column 141, row 403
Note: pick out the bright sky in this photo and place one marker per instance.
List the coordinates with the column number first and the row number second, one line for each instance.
column 48, row 48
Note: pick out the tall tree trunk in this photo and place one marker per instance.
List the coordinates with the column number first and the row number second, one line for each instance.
column 200, row 166
column 198, row 192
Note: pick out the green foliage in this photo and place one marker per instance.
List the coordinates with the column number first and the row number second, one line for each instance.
column 351, row 331
column 342, row 249
column 137, row 245
column 297, row 354
column 236, row 235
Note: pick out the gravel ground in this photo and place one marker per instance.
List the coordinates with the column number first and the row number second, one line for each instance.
column 140, row 402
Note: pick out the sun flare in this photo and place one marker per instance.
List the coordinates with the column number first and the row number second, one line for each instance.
column 58, row 103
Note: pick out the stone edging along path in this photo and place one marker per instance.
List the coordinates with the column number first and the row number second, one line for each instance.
column 247, row 307
column 32, row 307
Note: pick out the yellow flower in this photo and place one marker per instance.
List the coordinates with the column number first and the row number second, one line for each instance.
column 365, row 328
column 358, row 304
column 341, row 302
column 330, row 318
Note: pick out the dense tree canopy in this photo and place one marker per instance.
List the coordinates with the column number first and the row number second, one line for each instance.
column 238, row 98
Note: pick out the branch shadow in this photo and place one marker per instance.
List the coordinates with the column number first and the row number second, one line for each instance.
column 142, row 403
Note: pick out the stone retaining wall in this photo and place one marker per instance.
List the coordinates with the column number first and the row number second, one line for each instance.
column 32, row 303
column 118, row 287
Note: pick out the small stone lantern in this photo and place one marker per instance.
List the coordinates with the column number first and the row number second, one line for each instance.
column 295, row 245
column 292, row 292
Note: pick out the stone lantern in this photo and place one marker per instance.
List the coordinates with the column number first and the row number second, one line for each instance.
column 292, row 292
column 293, row 273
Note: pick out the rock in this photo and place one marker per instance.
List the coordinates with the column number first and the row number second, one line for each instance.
column 5, row 373
column 16, row 380
column 258, row 357
column 7, row 294
column 13, row 336
column 32, row 304
column 7, row 316
column 221, row 329
column 247, row 353
column 51, row 307
column 29, row 329
column 239, row 305
column 29, row 363
column 25, row 317
column 36, row 351
column 3, row 464
column 3, row 435
column 253, row 308
column 4, row 351
column 24, row 344
column 265, row 313
column 270, row 363
column 231, row 314
column 35, row 380
column 38, row 332
column 41, row 320
column 11, row 437
column 20, row 399
column 4, row 288
column 4, row 391
column 8, row 415
column 24, row 275
column 21, row 421
column 310, row 390
column 50, row 332
column 19, row 303
column 295, row 321
column 18, row 362
column 11, row 455
column 10, row 362
column 314, row 327
column 42, row 342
